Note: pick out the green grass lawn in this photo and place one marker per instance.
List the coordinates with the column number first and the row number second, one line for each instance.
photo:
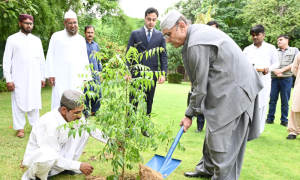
column 269, row 157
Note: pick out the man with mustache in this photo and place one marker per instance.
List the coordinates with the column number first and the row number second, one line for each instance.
column 282, row 80
column 23, row 67
column 92, row 49
column 264, row 58
column 66, row 59
column 50, row 150
column 145, row 39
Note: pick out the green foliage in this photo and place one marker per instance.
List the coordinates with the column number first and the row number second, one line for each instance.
column 46, row 20
column 174, row 57
column 118, row 117
column 3, row 87
column 277, row 16
column 175, row 78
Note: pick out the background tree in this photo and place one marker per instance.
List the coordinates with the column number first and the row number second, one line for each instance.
column 277, row 16
column 174, row 58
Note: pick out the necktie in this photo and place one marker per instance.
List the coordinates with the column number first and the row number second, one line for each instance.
column 148, row 36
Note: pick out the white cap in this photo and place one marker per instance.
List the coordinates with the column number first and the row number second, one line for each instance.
column 70, row 14
column 170, row 19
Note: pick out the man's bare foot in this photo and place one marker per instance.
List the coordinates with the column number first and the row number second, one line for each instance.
column 20, row 133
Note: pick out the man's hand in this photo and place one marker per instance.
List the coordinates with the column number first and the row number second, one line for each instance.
column 10, row 86
column 161, row 79
column 278, row 71
column 186, row 122
column 86, row 168
column 52, row 81
column 128, row 77
column 266, row 71
column 43, row 84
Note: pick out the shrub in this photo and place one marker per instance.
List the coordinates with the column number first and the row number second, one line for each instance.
column 175, row 78
column 3, row 87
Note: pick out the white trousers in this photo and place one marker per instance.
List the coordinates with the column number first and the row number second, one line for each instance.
column 45, row 159
column 263, row 114
column 19, row 119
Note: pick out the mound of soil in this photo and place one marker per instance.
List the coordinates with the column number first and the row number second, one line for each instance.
column 146, row 173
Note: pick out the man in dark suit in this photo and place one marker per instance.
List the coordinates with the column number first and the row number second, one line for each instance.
column 145, row 39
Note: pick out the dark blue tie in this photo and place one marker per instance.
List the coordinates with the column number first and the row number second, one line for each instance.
column 148, row 36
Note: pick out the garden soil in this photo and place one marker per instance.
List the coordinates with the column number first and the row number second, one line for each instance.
column 146, row 173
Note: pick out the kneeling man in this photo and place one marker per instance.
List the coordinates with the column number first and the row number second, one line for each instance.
column 49, row 150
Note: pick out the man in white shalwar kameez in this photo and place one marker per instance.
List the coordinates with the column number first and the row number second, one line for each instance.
column 66, row 60
column 49, row 150
column 264, row 58
column 23, row 66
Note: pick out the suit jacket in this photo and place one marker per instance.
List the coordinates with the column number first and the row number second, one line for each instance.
column 296, row 92
column 225, row 82
column 139, row 37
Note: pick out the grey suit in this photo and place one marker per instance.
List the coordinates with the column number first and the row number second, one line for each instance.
column 226, row 88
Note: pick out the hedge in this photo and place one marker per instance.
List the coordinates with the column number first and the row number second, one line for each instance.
column 175, row 78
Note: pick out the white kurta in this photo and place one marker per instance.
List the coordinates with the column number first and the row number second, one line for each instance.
column 262, row 57
column 23, row 64
column 66, row 60
column 53, row 147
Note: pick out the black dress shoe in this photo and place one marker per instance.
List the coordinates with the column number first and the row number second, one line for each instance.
column 268, row 121
column 291, row 136
column 192, row 174
column 145, row 133
column 284, row 123
column 199, row 130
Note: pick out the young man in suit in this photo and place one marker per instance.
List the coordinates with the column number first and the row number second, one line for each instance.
column 145, row 39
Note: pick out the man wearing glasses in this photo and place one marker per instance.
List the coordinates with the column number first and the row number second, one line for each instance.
column 66, row 59
column 226, row 88
column 23, row 67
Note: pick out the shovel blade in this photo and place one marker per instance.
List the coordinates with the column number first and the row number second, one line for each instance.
column 157, row 161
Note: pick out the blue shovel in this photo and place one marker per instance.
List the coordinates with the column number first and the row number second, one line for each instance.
column 166, row 165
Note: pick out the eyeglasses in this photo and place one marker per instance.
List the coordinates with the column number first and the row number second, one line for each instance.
column 166, row 36
column 70, row 23
column 28, row 23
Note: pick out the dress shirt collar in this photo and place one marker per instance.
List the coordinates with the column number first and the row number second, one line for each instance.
column 146, row 30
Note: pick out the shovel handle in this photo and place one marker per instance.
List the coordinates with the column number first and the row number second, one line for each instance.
column 172, row 148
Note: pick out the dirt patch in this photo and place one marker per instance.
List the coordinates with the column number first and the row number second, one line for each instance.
column 91, row 177
column 146, row 173
column 127, row 176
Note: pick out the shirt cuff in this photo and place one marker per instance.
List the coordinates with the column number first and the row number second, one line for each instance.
column 189, row 111
column 8, row 79
column 75, row 165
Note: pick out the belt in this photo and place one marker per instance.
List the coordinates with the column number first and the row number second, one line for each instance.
column 281, row 77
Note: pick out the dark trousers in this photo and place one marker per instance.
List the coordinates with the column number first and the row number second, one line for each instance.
column 200, row 121
column 149, row 98
column 282, row 86
column 92, row 104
